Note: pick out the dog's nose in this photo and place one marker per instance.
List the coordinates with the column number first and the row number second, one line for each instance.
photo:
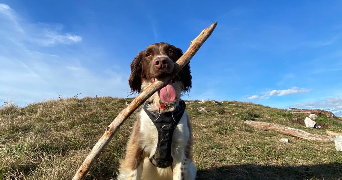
column 160, row 62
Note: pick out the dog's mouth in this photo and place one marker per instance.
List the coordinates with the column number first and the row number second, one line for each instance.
column 167, row 94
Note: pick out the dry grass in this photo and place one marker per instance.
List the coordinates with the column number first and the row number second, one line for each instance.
column 49, row 140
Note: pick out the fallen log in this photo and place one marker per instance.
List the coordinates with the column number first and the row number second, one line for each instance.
column 333, row 133
column 140, row 99
column 290, row 131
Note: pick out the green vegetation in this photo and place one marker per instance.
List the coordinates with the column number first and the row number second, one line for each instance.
column 49, row 140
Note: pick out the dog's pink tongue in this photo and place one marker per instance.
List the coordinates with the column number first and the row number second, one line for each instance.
column 167, row 93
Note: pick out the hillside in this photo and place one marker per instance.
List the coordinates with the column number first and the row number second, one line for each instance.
column 49, row 140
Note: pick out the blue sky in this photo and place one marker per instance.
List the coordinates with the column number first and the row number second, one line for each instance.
column 276, row 53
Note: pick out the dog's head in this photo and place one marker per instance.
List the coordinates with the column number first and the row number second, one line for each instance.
column 152, row 64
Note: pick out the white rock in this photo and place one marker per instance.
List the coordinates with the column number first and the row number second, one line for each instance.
column 313, row 116
column 309, row 122
column 284, row 140
column 338, row 143
column 201, row 109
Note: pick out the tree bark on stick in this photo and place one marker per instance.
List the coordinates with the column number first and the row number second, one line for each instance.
column 290, row 131
column 140, row 99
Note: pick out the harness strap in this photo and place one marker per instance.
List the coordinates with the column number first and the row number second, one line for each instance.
column 165, row 124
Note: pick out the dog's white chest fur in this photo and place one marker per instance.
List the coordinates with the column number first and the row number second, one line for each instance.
column 149, row 133
column 149, row 66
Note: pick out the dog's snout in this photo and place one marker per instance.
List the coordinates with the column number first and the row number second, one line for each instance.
column 160, row 62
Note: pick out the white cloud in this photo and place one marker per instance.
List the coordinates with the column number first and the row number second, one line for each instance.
column 39, row 34
column 253, row 97
column 6, row 10
column 51, row 38
column 30, row 73
column 333, row 104
column 34, row 80
column 293, row 90
column 10, row 16
column 258, row 97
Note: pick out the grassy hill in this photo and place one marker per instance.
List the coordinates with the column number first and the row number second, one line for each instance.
column 49, row 140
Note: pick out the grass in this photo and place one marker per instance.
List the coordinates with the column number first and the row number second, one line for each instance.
column 49, row 140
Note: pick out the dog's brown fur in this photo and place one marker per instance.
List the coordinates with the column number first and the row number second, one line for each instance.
column 149, row 65
column 134, row 153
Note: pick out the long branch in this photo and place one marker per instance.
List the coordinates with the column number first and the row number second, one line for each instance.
column 290, row 131
column 140, row 99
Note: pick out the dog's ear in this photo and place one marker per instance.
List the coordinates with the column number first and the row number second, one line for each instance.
column 185, row 73
column 136, row 70
column 179, row 52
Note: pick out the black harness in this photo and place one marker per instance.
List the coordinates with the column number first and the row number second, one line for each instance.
column 165, row 124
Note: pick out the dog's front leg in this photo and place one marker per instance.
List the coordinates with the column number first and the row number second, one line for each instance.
column 131, row 166
column 184, row 170
column 183, row 167
column 130, row 174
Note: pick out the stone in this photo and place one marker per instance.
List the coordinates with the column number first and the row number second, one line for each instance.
column 309, row 122
column 201, row 109
column 215, row 102
column 338, row 143
column 313, row 116
column 285, row 140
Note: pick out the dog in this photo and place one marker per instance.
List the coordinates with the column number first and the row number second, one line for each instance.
column 161, row 142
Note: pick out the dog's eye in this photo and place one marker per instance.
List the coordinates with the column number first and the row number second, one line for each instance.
column 148, row 54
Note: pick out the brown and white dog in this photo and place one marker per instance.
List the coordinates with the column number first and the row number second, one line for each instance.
column 148, row 66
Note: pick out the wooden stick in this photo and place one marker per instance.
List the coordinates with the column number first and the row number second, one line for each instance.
column 140, row 99
column 333, row 133
column 290, row 131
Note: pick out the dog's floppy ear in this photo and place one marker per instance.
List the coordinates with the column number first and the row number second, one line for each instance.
column 185, row 73
column 136, row 70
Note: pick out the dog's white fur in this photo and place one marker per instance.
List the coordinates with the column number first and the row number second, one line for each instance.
column 158, row 59
column 144, row 129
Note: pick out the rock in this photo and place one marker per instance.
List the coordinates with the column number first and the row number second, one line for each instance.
column 215, row 102
column 338, row 143
column 201, row 109
column 313, row 116
column 285, row 140
column 309, row 122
